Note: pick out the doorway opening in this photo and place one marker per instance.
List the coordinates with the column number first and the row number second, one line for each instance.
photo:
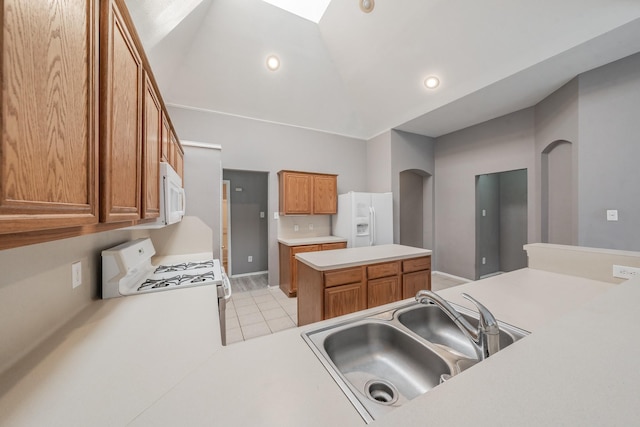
column 245, row 220
column 557, row 194
column 501, row 222
column 416, row 209
column 226, row 226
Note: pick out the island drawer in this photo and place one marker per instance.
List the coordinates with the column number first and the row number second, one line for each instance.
column 416, row 264
column 383, row 270
column 343, row 277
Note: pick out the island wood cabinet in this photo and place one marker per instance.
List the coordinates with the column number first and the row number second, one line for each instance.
column 303, row 193
column 331, row 293
column 289, row 266
column 49, row 115
column 82, row 122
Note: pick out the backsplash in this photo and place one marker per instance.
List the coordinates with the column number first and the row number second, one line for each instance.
column 307, row 226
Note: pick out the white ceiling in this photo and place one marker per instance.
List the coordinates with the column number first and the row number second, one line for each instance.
column 360, row 74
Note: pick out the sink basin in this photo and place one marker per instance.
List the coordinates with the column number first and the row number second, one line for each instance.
column 433, row 324
column 371, row 353
column 385, row 359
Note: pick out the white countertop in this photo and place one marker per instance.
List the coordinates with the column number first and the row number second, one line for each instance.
column 297, row 241
column 578, row 367
column 342, row 258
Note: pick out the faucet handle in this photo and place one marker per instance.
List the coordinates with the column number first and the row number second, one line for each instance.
column 487, row 322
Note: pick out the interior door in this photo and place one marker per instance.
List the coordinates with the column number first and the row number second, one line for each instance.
column 226, row 229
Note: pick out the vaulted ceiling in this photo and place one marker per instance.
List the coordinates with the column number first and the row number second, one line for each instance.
column 360, row 74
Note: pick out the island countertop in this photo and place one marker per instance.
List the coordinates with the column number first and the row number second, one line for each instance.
column 318, row 240
column 342, row 258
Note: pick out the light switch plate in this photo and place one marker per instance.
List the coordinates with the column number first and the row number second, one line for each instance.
column 612, row 215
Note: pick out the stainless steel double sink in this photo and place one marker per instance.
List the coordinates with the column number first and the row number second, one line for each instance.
column 384, row 360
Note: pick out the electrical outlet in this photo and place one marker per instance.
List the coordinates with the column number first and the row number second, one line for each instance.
column 484, row 260
column 261, row 214
column 296, row 228
column 310, row 226
column 250, row 258
column 623, row 272
column 612, row 215
column 276, row 215
column 76, row 274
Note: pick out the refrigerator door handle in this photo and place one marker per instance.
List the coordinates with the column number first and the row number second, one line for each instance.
column 372, row 226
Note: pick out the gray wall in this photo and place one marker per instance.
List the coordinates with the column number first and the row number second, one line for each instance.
column 609, row 152
column 270, row 147
column 502, row 144
column 249, row 232
column 557, row 120
column 203, row 188
column 410, row 152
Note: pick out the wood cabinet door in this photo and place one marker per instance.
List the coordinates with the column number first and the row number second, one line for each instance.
column 344, row 299
column 325, row 194
column 413, row 282
column 331, row 246
column 121, row 118
column 49, row 122
column 294, row 265
column 180, row 164
column 166, row 132
column 152, row 139
column 295, row 193
column 383, row 291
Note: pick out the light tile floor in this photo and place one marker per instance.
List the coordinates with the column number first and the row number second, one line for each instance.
column 252, row 314
column 256, row 313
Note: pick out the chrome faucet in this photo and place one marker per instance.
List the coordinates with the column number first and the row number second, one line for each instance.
column 485, row 339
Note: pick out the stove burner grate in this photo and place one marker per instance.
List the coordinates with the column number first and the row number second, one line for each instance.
column 184, row 266
column 183, row 279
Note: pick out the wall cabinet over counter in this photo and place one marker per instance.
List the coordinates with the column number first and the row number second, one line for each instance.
column 305, row 193
column 324, row 293
column 83, row 122
column 49, row 146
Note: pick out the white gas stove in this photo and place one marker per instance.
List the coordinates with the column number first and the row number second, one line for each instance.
column 127, row 270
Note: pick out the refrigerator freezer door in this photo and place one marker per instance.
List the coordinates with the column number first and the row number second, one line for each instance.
column 382, row 204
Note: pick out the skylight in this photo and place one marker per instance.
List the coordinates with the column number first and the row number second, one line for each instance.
column 307, row 9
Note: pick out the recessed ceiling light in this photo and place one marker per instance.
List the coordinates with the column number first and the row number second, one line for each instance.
column 367, row 5
column 273, row 63
column 431, row 82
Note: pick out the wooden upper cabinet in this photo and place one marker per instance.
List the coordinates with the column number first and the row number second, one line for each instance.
column 121, row 89
column 180, row 162
column 325, row 194
column 295, row 193
column 303, row 193
column 166, row 131
column 49, row 123
column 151, row 152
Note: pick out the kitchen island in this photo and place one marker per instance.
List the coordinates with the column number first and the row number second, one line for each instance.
column 578, row 367
column 343, row 281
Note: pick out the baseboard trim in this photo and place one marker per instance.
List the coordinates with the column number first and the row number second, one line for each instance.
column 255, row 273
column 497, row 273
column 441, row 273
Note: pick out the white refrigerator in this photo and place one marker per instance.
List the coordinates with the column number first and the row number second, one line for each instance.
column 364, row 219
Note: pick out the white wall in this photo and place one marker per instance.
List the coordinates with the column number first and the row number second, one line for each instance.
column 269, row 147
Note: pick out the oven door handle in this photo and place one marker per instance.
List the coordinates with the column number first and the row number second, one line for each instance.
column 226, row 285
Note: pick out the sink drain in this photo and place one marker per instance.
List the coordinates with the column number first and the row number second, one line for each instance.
column 381, row 392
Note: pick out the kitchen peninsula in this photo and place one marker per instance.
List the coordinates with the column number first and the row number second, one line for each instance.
column 94, row 371
column 337, row 282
